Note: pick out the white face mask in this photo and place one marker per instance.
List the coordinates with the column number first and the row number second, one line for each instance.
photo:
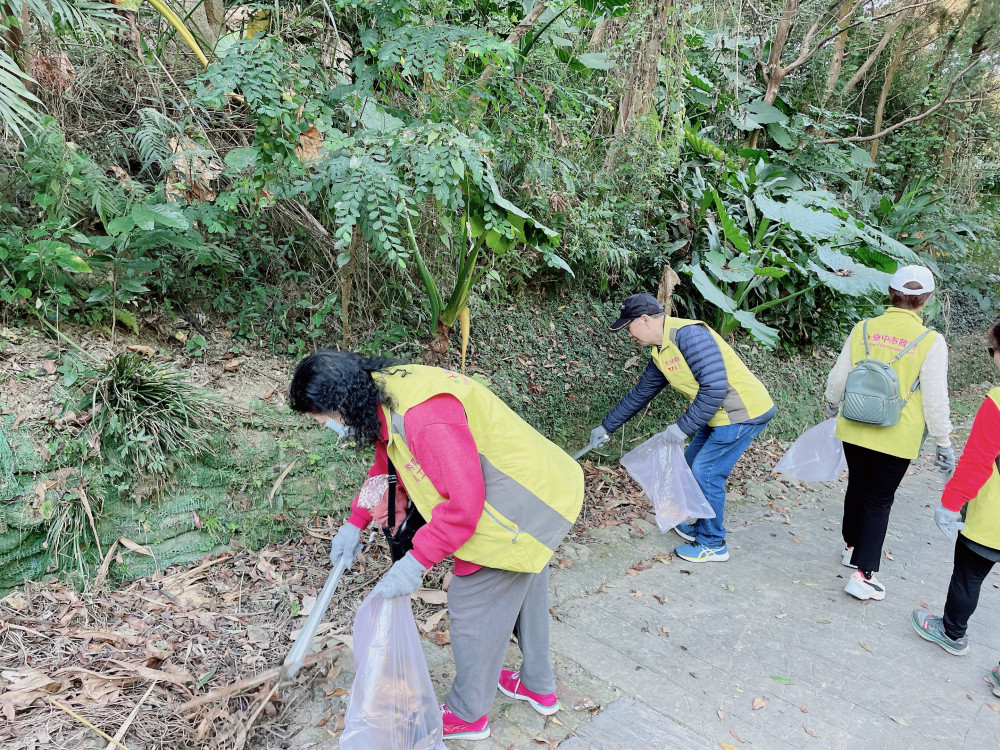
column 337, row 427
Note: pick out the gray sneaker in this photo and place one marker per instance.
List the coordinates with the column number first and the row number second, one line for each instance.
column 994, row 678
column 931, row 628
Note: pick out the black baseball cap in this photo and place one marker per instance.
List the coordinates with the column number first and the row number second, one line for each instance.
column 633, row 307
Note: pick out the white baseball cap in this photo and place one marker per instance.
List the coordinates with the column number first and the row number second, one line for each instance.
column 906, row 274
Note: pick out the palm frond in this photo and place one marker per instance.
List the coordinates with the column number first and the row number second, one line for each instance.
column 16, row 112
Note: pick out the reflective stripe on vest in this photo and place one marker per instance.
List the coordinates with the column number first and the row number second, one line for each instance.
column 746, row 397
column 982, row 518
column 888, row 335
column 534, row 490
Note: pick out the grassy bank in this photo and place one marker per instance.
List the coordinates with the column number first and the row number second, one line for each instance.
column 269, row 473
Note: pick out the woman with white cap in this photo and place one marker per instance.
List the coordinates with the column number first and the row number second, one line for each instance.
column 878, row 455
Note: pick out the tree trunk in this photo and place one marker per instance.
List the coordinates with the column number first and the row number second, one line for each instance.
column 513, row 38
column 839, row 47
column 773, row 72
column 890, row 32
column 950, row 44
column 641, row 71
column 204, row 18
column 897, row 56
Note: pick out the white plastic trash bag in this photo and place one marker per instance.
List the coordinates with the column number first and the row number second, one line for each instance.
column 817, row 455
column 392, row 704
column 659, row 467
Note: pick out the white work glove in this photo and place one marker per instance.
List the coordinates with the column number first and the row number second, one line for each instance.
column 831, row 410
column 599, row 436
column 675, row 434
column 402, row 579
column 949, row 521
column 944, row 459
column 346, row 544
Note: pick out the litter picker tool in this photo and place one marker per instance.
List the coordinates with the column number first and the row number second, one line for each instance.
column 587, row 448
column 300, row 649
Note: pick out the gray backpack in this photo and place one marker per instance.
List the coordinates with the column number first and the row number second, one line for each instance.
column 872, row 395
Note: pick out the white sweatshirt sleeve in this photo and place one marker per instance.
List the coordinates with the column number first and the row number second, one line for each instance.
column 934, row 385
column 837, row 378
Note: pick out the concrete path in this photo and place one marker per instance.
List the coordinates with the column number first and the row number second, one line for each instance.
column 765, row 650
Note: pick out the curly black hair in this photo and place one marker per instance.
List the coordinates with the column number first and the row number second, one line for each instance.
column 993, row 334
column 330, row 381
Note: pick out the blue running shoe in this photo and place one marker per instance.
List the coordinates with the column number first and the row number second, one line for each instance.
column 685, row 531
column 699, row 553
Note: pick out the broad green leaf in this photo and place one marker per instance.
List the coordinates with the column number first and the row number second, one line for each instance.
column 240, row 159
column 816, row 224
column 373, row 117
column 848, row 277
column 595, row 61
column 757, row 114
column 99, row 294
column 736, row 270
column 734, row 233
column 782, row 680
column 861, row 158
column 775, row 273
column 781, row 135
column 765, row 334
column 120, row 225
column 133, row 285
column 765, row 113
column 169, row 215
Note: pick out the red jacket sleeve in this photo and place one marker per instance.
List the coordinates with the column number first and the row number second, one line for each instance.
column 438, row 436
column 978, row 459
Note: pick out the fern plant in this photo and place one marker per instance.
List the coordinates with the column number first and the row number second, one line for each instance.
column 67, row 183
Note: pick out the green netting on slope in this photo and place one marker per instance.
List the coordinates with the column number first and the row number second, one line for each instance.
column 227, row 495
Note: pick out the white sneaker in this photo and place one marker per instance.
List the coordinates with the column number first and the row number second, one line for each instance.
column 865, row 588
column 846, row 561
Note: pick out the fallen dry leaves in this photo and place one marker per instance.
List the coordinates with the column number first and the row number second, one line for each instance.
column 174, row 638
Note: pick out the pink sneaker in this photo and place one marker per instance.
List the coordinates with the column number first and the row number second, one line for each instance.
column 456, row 729
column 510, row 684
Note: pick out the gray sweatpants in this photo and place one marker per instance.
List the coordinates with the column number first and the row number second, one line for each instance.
column 485, row 607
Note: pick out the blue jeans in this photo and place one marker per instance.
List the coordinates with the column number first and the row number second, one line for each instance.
column 711, row 455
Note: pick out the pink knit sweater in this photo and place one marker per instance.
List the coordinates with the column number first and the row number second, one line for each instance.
column 438, row 436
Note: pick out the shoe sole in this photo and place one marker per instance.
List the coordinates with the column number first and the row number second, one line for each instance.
column 863, row 592
column 928, row 637
column 543, row 710
column 682, row 535
column 711, row 558
column 481, row 735
column 846, row 562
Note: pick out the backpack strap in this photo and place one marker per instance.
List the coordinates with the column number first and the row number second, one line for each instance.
column 916, row 383
column 864, row 335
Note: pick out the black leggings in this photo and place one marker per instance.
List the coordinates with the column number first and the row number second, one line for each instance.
column 967, row 579
column 872, row 480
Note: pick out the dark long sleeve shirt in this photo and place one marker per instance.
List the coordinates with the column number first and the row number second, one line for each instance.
column 702, row 354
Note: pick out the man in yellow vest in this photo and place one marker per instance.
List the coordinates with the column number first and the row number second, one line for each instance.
column 728, row 408
column 494, row 493
column 977, row 546
column 877, row 456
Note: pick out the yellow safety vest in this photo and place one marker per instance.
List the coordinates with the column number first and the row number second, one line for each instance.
column 746, row 397
column 982, row 516
column 534, row 490
column 888, row 335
